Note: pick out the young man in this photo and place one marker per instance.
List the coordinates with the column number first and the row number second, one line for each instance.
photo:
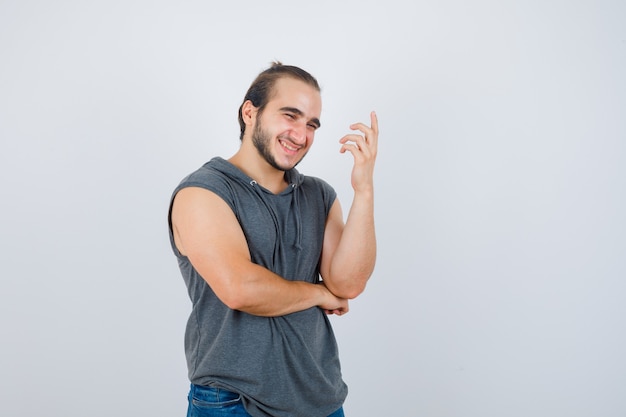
column 252, row 237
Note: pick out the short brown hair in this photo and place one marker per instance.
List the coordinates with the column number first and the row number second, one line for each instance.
column 262, row 88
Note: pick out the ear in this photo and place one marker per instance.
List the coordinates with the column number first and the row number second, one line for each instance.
column 248, row 113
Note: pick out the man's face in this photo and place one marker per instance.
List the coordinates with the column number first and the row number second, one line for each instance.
column 284, row 131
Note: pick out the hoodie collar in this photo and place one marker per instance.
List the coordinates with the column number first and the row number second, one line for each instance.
column 292, row 176
column 294, row 179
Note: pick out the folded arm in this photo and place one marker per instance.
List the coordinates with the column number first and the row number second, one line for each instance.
column 208, row 233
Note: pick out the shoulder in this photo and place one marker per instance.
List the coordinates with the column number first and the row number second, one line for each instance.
column 207, row 176
column 314, row 186
column 210, row 177
column 317, row 184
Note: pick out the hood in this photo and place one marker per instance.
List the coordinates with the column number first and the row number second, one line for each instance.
column 294, row 179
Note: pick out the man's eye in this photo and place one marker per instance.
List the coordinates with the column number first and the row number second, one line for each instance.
column 289, row 115
column 312, row 126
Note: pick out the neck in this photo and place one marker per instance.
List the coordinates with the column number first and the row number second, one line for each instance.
column 253, row 165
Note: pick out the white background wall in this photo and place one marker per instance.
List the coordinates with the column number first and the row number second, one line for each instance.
column 500, row 283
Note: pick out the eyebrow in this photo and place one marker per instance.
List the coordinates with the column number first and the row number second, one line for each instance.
column 299, row 112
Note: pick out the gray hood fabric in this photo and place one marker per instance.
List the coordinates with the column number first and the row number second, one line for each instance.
column 286, row 366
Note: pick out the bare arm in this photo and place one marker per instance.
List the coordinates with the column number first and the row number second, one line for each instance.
column 208, row 233
column 349, row 252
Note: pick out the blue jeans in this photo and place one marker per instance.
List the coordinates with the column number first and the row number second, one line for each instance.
column 217, row 402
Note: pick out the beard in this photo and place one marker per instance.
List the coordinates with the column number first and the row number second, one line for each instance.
column 261, row 140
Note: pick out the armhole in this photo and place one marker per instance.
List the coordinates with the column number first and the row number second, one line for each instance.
column 175, row 193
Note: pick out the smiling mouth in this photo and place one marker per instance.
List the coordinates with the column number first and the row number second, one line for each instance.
column 289, row 146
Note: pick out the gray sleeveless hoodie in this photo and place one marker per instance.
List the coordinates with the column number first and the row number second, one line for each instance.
column 285, row 366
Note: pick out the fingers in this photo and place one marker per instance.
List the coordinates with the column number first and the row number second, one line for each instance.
column 333, row 304
column 371, row 132
column 367, row 141
column 374, row 121
column 341, row 308
column 363, row 145
column 338, row 312
column 353, row 143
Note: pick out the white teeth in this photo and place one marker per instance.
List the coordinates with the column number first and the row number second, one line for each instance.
column 286, row 145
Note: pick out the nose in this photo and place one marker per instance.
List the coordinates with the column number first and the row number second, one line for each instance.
column 299, row 133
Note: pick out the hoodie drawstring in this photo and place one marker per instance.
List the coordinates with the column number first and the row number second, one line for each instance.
column 296, row 208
